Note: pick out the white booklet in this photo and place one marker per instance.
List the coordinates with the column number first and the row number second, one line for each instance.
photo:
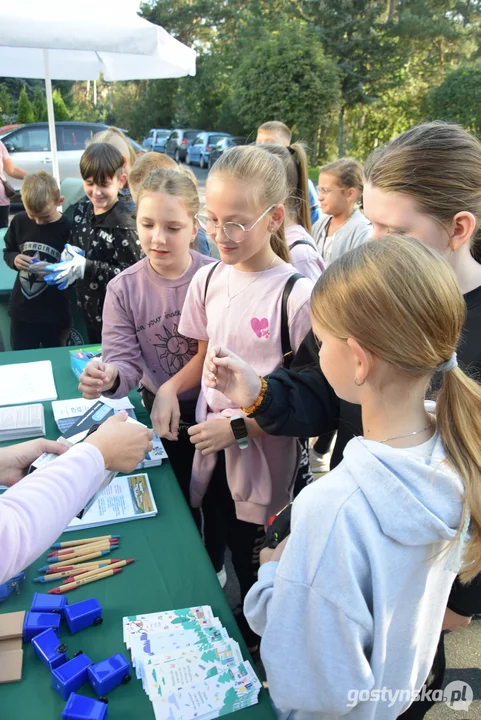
column 22, row 421
column 127, row 497
column 31, row 382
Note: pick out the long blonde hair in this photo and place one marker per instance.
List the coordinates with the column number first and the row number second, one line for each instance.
column 266, row 175
column 296, row 165
column 401, row 301
column 438, row 165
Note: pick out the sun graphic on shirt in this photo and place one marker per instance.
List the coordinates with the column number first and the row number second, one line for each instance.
column 174, row 350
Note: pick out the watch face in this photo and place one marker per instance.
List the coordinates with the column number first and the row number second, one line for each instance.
column 239, row 428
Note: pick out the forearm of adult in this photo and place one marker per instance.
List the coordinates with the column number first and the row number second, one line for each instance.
column 298, row 404
column 12, row 170
column 35, row 511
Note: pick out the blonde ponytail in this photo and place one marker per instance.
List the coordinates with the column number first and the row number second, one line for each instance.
column 401, row 301
column 458, row 416
column 279, row 245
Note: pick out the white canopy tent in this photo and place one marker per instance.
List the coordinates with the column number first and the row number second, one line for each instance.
column 68, row 40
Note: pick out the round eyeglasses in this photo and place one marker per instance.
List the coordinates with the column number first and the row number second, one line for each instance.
column 234, row 231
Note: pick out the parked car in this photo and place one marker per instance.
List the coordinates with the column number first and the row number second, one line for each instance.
column 155, row 140
column 198, row 151
column 224, row 144
column 29, row 146
column 178, row 141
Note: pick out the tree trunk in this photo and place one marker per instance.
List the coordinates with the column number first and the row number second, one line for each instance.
column 340, row 135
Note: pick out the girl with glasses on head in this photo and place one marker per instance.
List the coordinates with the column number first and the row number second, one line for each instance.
column 241, row 476
column 141, row 342
column 342, row 226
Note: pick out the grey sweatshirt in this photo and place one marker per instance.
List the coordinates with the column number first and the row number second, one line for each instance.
column 355, row 231
column 357, row 601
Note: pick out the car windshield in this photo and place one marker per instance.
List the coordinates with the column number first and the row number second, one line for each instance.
column 163, row 133
column 214, row 139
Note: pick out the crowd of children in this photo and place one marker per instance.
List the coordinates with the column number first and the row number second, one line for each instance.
column 240, row 360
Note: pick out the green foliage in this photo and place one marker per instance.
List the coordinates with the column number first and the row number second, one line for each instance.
column 458, row 98
column 286, row 76
column 39, row 105
column 60, row 109
column 6, row 105
column 25, row 109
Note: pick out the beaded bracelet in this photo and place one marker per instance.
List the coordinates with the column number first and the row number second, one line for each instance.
column 262, row 393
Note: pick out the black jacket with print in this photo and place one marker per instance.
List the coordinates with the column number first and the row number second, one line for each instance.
column 111, row 244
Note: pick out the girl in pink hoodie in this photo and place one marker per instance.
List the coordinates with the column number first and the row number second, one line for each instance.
column 240, row 475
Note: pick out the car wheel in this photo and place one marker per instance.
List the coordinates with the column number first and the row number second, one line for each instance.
column 209, row 163
column 187, row 158
column 201, row 162
column 177, row 155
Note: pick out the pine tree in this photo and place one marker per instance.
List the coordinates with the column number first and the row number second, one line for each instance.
column 25, row 109
column 60, row 109
column 39, row 104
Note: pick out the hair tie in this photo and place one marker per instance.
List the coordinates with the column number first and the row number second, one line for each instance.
column 449, row 364
column 292, row 150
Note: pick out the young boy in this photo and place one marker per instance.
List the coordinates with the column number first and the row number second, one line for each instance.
column 103, row 238
column 40, row 317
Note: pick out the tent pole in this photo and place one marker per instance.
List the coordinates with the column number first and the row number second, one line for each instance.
column 51, row 116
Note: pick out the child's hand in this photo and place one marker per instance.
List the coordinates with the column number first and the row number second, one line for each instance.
column 97, row 378
column 22, row 262
column 15, row 460
column 212, row 436
column 165, row 415
column 123, row 445
column 233, row 377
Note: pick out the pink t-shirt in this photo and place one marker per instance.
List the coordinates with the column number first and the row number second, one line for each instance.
column 3, row 156
column 306, row 258
column 260, row 478
column 251, row 326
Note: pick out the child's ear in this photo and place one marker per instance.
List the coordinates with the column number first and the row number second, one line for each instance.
column 60, row 201
column 123, row 179
column 277, row 218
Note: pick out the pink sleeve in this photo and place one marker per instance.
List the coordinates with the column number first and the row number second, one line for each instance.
column 35, row 511
column 298, row 308
column 193, row 322
column 120, row 345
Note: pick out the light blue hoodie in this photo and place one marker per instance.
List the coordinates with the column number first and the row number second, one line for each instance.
column 357, row 601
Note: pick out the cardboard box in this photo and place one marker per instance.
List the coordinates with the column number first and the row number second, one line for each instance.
column 81, row 356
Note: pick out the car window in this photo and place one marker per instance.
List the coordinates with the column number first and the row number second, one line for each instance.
column 151, row 133
column 190, row 135
column 30, row 140
column 75, row 137
column 174, row 136
column 163, row 134
column 214, row 139
column 199, row 140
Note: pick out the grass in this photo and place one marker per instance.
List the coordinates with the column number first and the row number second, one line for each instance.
column 314, row 174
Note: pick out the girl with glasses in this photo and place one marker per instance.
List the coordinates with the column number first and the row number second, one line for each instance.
column 241, row 476
column 342, row 225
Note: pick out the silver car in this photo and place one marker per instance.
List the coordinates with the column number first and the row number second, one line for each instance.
column 29, row 146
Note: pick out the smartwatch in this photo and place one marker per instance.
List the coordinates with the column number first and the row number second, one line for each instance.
column 239, row 430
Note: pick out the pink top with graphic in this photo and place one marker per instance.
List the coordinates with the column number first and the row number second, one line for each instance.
column 3, row 156
column 306, row 258
column 140, row 331
column 250, row 325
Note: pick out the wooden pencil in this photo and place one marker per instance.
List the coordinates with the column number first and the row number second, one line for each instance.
column 80, row 558
column 85, row 541
column 90, row 573
column 83, row 550
column 83, row 581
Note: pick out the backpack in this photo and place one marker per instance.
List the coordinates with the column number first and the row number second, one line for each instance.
column 287, row 353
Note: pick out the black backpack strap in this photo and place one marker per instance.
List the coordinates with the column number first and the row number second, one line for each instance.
column 285, row 338
column 209, row 276
column 303, row 242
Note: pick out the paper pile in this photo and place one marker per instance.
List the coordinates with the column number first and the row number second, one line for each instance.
column 188, row 664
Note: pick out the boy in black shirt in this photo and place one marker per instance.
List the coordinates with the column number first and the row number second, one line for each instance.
column 103, row 239
column 35, row 238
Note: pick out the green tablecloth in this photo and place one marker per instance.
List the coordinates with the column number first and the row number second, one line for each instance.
column 172, row 571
